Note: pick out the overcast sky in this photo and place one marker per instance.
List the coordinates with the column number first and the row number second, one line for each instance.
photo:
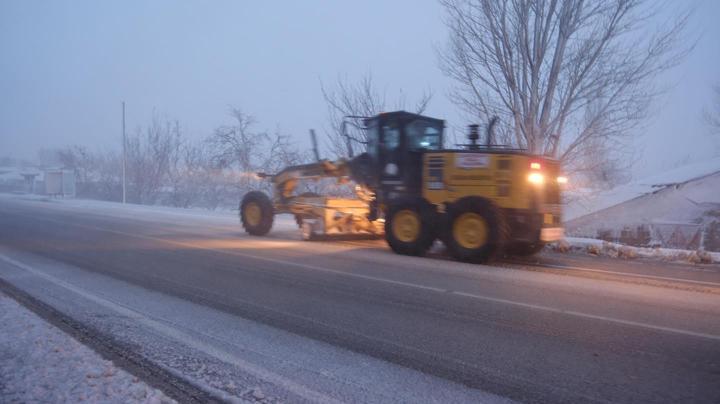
column 65, row 67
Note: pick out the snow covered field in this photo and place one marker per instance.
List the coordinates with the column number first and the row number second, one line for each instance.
column 40, row 363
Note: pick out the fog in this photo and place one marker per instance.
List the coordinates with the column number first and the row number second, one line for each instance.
column 66, row 66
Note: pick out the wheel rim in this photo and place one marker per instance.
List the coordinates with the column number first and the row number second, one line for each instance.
column 253, row 214
column 470, row 230
column 406, row 226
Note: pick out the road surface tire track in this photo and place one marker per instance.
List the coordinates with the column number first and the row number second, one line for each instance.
column 113, row 350
column 636, row 279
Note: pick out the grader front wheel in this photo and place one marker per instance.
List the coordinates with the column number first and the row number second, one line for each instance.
column 256, row 213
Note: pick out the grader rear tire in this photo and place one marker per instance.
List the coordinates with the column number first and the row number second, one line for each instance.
column 475, row 230
column 410, row 226
column 256, row 213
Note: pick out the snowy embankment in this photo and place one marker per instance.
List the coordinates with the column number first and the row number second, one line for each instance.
column 40, row 363
column 616, row 250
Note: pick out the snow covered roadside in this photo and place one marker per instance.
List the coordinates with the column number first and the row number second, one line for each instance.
column 216, row 218
column 601, row 247
column 40, row 363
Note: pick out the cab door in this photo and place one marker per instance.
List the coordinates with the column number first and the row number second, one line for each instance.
column 392, row 159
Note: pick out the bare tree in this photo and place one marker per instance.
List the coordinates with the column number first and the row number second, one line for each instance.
column 236, row 145
column 164, row 167
column 562, row 74
column 242, row 151
column 79, row 159
column 361, row 99
column 712, row 115
column 279, row 153
column 82, row 162
column 108, row 182
column 148, row 157
column 194, row 179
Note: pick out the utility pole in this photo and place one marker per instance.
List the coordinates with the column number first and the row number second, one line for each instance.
column 124, row 159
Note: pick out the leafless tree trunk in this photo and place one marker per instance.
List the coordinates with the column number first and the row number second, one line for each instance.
column 358, row 99
column 562, row 74
column 712, row 115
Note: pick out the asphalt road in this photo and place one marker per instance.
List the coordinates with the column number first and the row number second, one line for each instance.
column 595, row 333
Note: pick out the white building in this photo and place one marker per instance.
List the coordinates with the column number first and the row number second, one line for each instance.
column 59, row 182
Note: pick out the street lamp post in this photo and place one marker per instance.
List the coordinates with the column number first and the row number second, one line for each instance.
column 124, row 160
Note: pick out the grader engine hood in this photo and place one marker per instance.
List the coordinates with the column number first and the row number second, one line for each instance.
column 512, row 180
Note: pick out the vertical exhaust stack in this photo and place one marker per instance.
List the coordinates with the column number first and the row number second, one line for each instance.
column 491, row 131
column 473, row 136
column 313, row 138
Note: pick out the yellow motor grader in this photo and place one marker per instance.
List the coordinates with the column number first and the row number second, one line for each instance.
column 480, row 201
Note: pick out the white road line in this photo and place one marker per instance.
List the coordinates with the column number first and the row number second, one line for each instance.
column 664, row 278
column 183, row 337
column 591, row 316
column 407, row 284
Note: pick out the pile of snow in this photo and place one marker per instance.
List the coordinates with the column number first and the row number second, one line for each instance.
column 616, row 250
column 42, row 364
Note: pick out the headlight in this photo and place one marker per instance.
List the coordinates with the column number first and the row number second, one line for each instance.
column 536, row 178
column 562, row 180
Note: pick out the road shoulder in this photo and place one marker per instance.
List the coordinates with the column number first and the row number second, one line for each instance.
column 42, row 363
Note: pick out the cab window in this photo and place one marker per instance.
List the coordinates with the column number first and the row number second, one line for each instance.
column 391, row 137
column 424, row 135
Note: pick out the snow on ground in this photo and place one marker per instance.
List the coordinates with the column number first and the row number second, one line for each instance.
column 218, row 221
column 40, row 363
column 233, row 358
column 601, row 247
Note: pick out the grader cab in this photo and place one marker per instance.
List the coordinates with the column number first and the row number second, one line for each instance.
column 480, row 201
